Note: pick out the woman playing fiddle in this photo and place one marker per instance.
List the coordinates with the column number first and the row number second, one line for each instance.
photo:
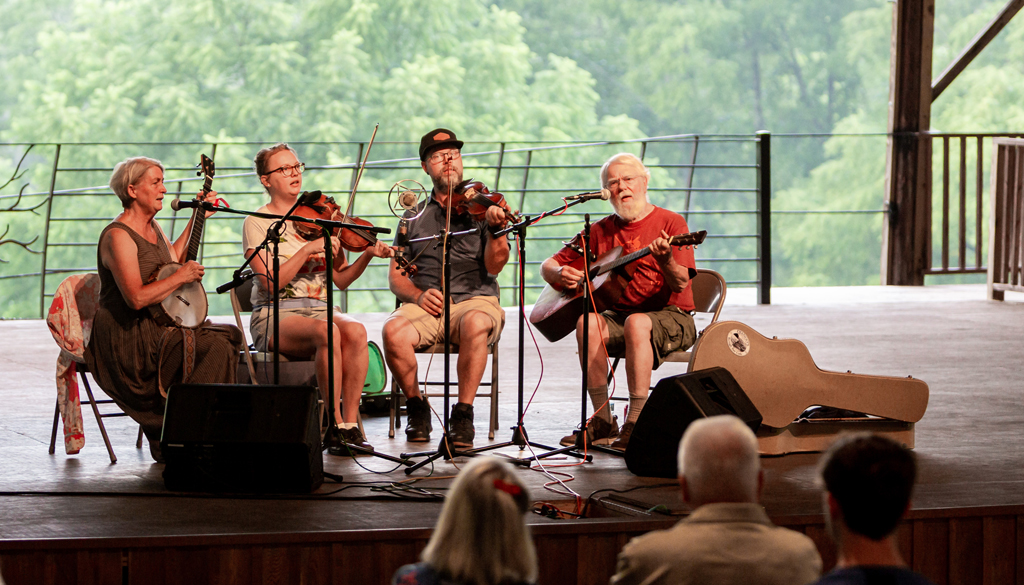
column 302, row 294
column 131, row 356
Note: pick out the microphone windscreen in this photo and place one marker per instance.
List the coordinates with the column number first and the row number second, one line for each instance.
column 605, row 194
column 176, row 204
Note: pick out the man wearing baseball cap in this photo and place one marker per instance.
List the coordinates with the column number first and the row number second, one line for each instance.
column 476, row 314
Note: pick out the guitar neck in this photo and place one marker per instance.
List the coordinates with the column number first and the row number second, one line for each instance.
column 196, row 237
column 692, row 239
column 633, row 257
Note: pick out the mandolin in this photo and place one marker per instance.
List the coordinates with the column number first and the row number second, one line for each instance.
column 556, row 311
column 187, row 306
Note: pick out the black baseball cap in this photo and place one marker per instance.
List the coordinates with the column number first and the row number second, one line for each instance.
column 437, row 138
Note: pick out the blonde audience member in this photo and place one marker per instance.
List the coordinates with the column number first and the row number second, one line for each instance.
column 481, row 537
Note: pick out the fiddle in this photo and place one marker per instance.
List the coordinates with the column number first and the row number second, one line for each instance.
column 351, row 239
column 473, row 197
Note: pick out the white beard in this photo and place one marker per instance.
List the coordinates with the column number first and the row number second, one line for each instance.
column 629, row 212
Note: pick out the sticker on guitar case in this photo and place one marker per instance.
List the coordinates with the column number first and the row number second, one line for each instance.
column 738, row 342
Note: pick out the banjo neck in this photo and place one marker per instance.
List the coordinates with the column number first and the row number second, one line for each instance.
column 199, row 214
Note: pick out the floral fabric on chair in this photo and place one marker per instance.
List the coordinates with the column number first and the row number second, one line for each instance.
column 70, row 321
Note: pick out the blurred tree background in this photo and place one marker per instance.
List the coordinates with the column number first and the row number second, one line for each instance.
column 248, row 73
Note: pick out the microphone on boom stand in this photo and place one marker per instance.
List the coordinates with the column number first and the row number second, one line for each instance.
column 603, row 195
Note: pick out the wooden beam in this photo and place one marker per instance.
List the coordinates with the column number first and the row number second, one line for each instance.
column 975, row 47
column 907, row 225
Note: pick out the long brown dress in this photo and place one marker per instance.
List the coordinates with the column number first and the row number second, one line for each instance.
column 124, row 352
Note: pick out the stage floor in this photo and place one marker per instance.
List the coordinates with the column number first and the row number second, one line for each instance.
column 970, row 442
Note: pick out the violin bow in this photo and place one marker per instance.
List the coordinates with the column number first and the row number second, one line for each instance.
column 359, row 175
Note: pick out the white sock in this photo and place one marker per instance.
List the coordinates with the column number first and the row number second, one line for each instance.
column 347, row 426
column 599, row 398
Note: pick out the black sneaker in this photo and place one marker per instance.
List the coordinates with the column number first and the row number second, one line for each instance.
column 345, row 437
column 599, row 432
column 462, row 433
column 419, row 427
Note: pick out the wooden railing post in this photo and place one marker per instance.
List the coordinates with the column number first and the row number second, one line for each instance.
column 907, row 228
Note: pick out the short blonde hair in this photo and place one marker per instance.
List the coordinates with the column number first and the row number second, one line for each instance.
column 622, row 156
column 481, row 537
column 130, row 172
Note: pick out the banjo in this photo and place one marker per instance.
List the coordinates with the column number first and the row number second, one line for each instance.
column 187, row 306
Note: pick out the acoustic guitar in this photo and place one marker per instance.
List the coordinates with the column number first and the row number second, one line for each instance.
column 187, row 306
column 782, row 381
column 557, row 310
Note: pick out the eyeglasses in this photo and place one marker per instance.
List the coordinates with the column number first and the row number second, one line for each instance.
column 289, row 171
column 628, row 180
column 441, row 155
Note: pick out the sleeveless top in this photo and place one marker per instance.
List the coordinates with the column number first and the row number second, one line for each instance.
column 130, row 353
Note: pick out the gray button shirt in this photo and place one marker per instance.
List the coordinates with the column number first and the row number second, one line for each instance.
column 469, row 273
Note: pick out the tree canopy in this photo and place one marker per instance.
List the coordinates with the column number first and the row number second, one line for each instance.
column 262, row 71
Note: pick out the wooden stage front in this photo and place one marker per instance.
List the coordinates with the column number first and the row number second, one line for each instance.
column 80, row 519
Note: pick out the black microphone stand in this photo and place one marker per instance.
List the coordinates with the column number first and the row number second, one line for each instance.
column 444, row 448
column 520, row 438
column 327, row 227
column 274, row 236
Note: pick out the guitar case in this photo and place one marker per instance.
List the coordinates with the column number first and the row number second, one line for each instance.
column 782, row 381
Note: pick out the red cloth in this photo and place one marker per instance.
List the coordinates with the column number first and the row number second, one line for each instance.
column 646, row 290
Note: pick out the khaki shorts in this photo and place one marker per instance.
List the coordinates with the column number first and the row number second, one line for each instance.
column 261, row 324
column 671, row 330
column 431, row 328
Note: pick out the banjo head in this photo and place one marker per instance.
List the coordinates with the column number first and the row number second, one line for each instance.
column 187, row 306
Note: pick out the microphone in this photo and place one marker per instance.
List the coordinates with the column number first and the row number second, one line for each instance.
column 603, row 194
column 178, row 204
column 236, row 281
column 401, row 239
column 402, row 236
column 407, row 200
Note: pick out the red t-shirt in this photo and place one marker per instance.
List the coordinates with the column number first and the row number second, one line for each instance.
column 647, row 289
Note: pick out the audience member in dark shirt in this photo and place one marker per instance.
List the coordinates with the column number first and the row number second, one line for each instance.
column 868, row 481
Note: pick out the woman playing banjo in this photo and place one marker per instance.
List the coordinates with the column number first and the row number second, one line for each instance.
column 302, row 294
column 132, row 356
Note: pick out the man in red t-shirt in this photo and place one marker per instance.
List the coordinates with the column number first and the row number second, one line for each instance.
column 653, row 317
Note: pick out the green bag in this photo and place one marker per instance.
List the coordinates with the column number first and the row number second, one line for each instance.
column 376, row 374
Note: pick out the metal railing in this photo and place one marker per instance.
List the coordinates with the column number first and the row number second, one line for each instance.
column 965, row 153
column 721, row 183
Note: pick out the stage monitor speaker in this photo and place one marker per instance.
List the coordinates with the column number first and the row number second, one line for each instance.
column 241, row 438
column 673, row 404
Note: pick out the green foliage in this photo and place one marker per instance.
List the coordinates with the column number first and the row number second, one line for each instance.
column 312, row 72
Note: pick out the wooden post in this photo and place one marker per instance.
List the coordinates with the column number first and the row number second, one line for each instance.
column 906, row 232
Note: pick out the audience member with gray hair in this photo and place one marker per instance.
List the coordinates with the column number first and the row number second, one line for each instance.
column 481, row 537
column 727, row 538
column 868, row 481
